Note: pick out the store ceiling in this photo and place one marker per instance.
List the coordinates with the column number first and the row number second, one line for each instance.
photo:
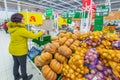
column 63, row 4
column 58, row 4
column 71, row 4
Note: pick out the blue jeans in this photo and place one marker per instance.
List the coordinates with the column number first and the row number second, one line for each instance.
column 19, row 61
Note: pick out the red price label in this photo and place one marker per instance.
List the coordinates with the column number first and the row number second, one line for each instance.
column 86, row 3
column 32, row 18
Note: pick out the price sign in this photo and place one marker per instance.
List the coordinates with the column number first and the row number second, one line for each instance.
column 71, row 13
column 102, row 10
column 64, row 14
column 49, row 12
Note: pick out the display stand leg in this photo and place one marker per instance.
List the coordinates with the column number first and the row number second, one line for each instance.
column 36, row 68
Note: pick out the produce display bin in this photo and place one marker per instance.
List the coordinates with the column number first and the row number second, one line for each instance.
column 33, row 52
column 36, row 69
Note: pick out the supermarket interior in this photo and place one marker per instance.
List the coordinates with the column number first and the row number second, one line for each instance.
column 60, row 39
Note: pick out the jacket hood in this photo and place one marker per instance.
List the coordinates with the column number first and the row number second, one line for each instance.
column 12, row 26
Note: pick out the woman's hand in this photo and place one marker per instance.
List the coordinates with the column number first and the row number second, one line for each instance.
column 44, row 32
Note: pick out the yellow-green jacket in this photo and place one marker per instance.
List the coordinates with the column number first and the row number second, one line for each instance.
column 18, row 38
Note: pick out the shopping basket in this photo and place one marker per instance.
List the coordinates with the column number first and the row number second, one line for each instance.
column 33, row 52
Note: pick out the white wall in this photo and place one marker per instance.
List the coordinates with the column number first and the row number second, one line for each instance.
column 3, row 15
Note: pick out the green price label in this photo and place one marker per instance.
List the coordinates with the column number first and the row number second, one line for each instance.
column 49, row 12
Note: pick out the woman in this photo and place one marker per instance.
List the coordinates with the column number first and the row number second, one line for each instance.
column 18, row 44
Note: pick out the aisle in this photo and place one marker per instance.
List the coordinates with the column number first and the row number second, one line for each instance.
column 6, row 62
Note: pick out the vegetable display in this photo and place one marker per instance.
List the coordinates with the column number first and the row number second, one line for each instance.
column 78, row 56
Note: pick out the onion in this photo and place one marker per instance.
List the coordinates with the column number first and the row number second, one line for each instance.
column 93, row 71
column 90, row 54
column 95, row 56
column 90, row 43
column 90, row 76
column 87, row 61
column 99, row 78
column 99, row 67
column 110, row 77
column 92, row 63
column 101, row 75
column 109, row 71
column 106, row 73
column 91, row 51
column 86, row 57
column 98, row 43
column 91, row 58
column 99, row 62
column 94, row 44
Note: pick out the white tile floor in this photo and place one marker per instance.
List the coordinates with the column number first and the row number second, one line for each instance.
column 6, row 61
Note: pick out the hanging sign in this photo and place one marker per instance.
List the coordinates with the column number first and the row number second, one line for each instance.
column 84, row 25
column 84, row 15
column 62, row 21
column 71, row 13
column 32, row 18
column 81, row 14
column 69, row 20
column 86, row 3
column 68, row 14
column 56, row 15
column 77, row 15
column 94, row 6
column 64, row 14
column 102, row 10
column 98, row 23
column 49, row 12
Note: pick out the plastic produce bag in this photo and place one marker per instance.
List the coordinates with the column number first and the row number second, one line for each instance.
column 92, row 43
column 116, row 44
column 97, row 69
column 115, row 67
column 97, row 76
column 106, row 74
column 91, row 58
